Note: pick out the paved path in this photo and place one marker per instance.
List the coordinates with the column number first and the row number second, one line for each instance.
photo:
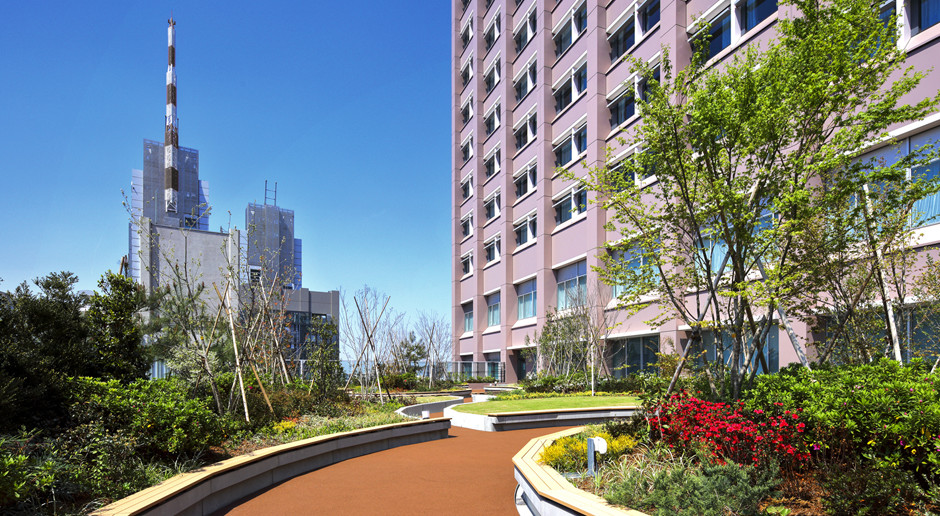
column 469, row 473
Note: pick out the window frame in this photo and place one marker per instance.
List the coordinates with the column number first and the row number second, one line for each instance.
column 467, row 317
column 571, row 83
column 529, row 24
column 528, row 223
column 494, row 23
column 530, row 123
column 495, row 69
column 493, row 114
column 466, row 263
column 530, row 171
column 466, row 185
column 467, row 106
column 466, row 149
column 575, row 210
column 494, row 158
column 572, row 137
column 493, row 309
column 526, row 296
column 579, row 280
column 493, row 197
column 466, row 225
column 492, row 249
column 529, row 76
column 570, row 24
column 467, row 28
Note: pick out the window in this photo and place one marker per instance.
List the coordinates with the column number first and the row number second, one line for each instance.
column 571, row 147
column 525, row 229
column 571, row 28
column 571, row 203
column 649, row 15
column 466, row 34
column 924, row 14
column 633, row 355
column 526, row 180
column 492, row 33
column 466, row 112
column 525, row 82
column 492, row 76
column 645, row 84
column 572, row 88
column 622, row 40
column 466, row 263
column 572, row 285
column 492, row 309
column 464, row 4
column 887, row 11
column 491, row 206
column 491, row 249
column 466, row 225
column 466, row 187
column 632, row 260
column 622, row 108
column 756, row 11
column 466, row 73
column 715, row 249
column 524, row 32
column 525, row 297
column 717, row 38
column 467, row 317
column 491, row 122
column 525, row 133
column 466, row 150
column 491, row 164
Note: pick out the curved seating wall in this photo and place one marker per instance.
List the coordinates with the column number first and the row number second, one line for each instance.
column 545, row 492
column 213, row 487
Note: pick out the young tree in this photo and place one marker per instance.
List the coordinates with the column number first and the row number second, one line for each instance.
column 433, row 331
column 750, row 157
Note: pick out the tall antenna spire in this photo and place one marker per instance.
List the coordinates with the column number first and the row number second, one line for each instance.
column 171, row 182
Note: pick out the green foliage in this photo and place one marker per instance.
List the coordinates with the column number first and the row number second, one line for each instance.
column 154, row 418
column 115, row 327
column 683, row 487
column 866, row 490
column 401, row 381
column 887, row 412
column 574, row 382
column 23, row 472
column 570, row 453
column 47, row 336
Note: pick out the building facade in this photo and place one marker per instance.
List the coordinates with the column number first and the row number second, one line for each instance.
column 540, row 85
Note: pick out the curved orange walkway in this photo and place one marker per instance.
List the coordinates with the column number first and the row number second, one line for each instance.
column 469, row 473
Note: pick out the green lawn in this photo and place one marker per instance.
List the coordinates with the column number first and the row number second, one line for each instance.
column 496, row 406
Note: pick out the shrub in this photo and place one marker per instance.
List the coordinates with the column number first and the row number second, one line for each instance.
column 683, row 488
column 547, row 383
column 865, row 490
column 157, row 417
column 570, row 453
column 725, row 432
column 24, row 471
column 886, row 411
column 402, row 381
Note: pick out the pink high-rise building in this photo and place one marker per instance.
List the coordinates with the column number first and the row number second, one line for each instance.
column 540, row 84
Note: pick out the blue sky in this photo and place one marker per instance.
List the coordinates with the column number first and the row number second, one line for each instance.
column 346, row 105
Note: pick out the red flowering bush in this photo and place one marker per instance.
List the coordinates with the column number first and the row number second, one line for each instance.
column 726, row 433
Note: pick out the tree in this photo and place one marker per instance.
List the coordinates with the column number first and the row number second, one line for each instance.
column 751, row 159
column 433, row 331
column 573, row 339
column 116, row 327
column 47, row 337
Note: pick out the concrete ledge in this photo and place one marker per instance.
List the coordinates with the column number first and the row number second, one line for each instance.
column 537, row 418
column 414, row 411
column 213, row 487
column 543, row 491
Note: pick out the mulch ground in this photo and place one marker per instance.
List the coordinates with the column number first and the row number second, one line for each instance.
column 469, row 473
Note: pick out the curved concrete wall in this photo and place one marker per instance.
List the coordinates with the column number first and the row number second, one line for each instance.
column 211, row 488
column 537, row 418
column 415, row 411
